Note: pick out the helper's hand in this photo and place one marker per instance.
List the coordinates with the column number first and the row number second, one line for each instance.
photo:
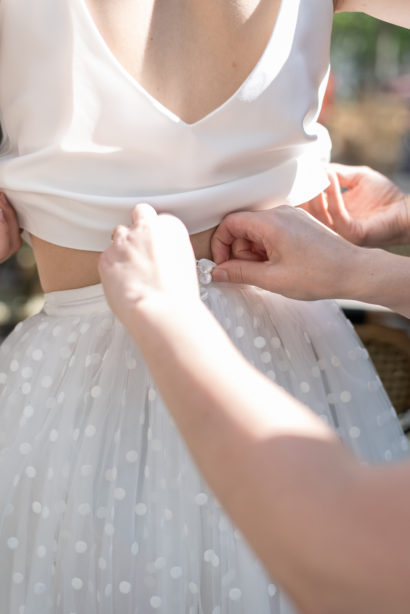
column 148, row 265
column 284, row 250
column 10, row 239
column 371, row 211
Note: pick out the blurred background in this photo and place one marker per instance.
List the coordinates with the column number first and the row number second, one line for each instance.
column 367, row 111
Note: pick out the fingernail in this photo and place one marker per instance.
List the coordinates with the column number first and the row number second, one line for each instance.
column 219, row 275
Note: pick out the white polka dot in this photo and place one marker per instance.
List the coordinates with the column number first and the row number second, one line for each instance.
column 119, row 494
column 14, row 365
column 111, row 474
column 36, row 507
column 345, row 396
column 259, row 342
column 124, row 587
column 155, row 602
column 131, row 363
column 56, row 331
column 41, row 552
column 271, row 590
column 90, row 430
column 305, row 387
column 175, row 573
column 61, row 398
column 25, row 448
column 77, row 584
column 102, row 563
column 45, row 512
column 31, row 472
column 354, row 432
column 217, row 610
column 39, row 588
column 168, row 514
column 108, row 590
column 84, row 509
column 109, row 529
column 239, row 332
column 335, row 360
column 53, row 436
column 46, row 381
column 266, row 357
column 72, row 338
column 131, row 456
column 80, row 547
column 152, row 395
column 28, row 411
column 26, row 388
column 160, row 563
column 141, row 509
column 95, row 391
column 135, row 548
column 193, row 588
column 37, row 355
column 235, row 594
column 12, row 543
column 201, row 498
column 18, row 577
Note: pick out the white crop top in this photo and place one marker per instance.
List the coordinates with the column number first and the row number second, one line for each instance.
column 83, row 141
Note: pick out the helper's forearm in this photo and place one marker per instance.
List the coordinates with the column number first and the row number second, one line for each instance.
column 394, row 11
column 379, row 277
column 279, row 471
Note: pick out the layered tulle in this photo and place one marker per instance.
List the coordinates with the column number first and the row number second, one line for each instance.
column 101, row 508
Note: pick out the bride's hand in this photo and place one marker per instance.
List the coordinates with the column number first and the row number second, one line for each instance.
column 10, row 239
column 149, row 265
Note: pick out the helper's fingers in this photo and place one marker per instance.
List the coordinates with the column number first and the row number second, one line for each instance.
column 336, row 204
column 318, row 208
column 235, row 226
column 348, row 176
column 141, row 212
column 243, row 272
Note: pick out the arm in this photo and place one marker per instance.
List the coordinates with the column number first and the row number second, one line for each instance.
column 321, row 522
column 10, row 239
column 295, row 255
column 394, row 11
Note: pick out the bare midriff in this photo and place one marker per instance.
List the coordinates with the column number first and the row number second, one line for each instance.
column 191, row 57
column 61, row 268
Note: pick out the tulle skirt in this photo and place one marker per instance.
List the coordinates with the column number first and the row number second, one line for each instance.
column 102, row 510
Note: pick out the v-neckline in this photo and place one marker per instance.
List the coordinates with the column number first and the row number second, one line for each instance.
column 156, row 103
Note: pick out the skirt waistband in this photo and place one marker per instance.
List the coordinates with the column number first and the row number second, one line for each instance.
column 86, row 300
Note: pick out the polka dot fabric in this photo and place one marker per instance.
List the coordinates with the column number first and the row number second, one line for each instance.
column 101, row 508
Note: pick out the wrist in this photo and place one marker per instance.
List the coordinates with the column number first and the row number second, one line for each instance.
column 159, row 315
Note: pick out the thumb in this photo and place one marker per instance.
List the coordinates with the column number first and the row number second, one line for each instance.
column 243, row 272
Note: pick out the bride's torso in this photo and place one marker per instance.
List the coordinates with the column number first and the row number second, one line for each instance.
column 199, row 108
column 191, row 56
